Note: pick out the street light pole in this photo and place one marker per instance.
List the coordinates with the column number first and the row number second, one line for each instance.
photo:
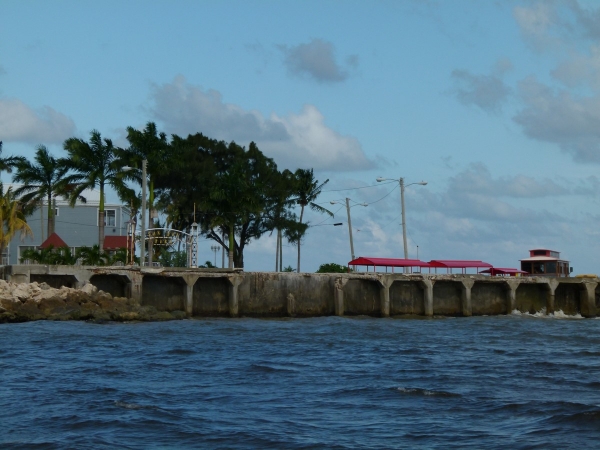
column 403, row 218
column 143, row 235
column 402, row 187
column 350, row 228
column 350, row 223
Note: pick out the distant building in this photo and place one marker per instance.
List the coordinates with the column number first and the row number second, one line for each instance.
column 545, row 262
column 77, row 226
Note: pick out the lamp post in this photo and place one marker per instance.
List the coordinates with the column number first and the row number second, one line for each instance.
column 402, row 186
column 350, row 223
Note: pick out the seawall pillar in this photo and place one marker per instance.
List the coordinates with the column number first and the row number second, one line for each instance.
column 234, row 282
column 427, row 286
column 511, row 295
column 588, row 300
column 338, row 296
column 188, row 295
column 467, row 307
column 551, row 286
column 384, row 294
column 134, row 287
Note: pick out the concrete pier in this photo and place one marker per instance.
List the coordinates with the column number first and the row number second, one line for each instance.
column 232, row 293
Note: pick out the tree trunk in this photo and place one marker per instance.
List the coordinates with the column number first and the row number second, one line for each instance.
column 277, row 252
column 101, row 231
column 280, row 252
column 300, row 238
column 50, row 216
column 231, row 246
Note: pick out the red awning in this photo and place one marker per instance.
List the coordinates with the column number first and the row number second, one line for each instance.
column 458, row 263
column 502, row 271
column 387, row 262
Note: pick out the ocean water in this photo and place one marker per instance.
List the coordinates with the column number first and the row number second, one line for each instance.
column 515, row 381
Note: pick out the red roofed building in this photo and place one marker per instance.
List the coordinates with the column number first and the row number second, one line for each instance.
column 55, row 241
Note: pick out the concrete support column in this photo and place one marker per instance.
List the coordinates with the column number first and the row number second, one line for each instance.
column 427, row 286
column 467, row 308
column 511, row 295
column 385, row 282
column 188, row 295
column 234, row 282
column 135, row 287
column 552, row 284
column 338, row 296
column 588, row 300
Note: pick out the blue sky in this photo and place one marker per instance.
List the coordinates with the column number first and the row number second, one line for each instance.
column 494, row 103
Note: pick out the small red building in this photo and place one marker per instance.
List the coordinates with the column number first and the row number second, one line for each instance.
column 545, row 262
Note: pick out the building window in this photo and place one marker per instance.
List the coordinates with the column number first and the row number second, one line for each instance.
column 110, row 217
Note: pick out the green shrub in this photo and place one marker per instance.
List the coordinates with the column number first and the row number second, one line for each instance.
column 332, row 268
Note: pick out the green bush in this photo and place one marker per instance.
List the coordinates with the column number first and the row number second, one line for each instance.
column 332, row 268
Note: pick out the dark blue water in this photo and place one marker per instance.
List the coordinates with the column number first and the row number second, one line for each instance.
column 489, row 382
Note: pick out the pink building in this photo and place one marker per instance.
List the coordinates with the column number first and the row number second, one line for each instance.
column 545, row 262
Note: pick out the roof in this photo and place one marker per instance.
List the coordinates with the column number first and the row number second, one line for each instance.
column 115, row 242
column 457, row 263
column 387, row 262
column 53, row 240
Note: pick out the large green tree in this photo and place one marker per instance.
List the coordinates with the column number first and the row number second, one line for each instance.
column 234, row 191
column 41, row 180
column 306, row 191
column 93, row 164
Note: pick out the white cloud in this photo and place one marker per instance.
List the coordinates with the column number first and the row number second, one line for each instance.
column 560, row 117
column 20, row 123
column 317, row 61
column 488, row 92
column 296, row 140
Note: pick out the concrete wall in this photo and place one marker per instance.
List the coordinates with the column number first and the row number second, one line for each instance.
column 406, row 297
column 218, row 292
column 489, row 299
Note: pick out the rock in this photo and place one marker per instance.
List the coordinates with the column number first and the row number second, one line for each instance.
column 89, row 289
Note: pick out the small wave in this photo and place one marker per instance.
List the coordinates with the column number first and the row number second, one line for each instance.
column 264, row 368
column 180, row 351
column 127, row 405
column 541, row 314
column 426, row 392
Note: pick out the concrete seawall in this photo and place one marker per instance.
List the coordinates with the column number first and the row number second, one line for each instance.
column 212, row 292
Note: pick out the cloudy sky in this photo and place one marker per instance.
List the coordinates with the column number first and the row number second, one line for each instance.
column 496, row 104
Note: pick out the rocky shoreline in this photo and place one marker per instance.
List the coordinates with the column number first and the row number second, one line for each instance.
column 24, row 302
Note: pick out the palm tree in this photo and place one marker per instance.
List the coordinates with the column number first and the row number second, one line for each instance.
column 6, row 164
column 41, row 181
column 12, row 219
column 152, row 146
column 307, row 189
column 94, row 165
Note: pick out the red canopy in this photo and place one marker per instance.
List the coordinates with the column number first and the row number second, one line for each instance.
column 387, row 262
column 457, row 263
column 115, row 242
column 503, row 271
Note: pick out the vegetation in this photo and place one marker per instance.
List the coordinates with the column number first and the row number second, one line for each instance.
column 234, row 194
column 41, row 181
column 12, row 219
column 332, row 268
